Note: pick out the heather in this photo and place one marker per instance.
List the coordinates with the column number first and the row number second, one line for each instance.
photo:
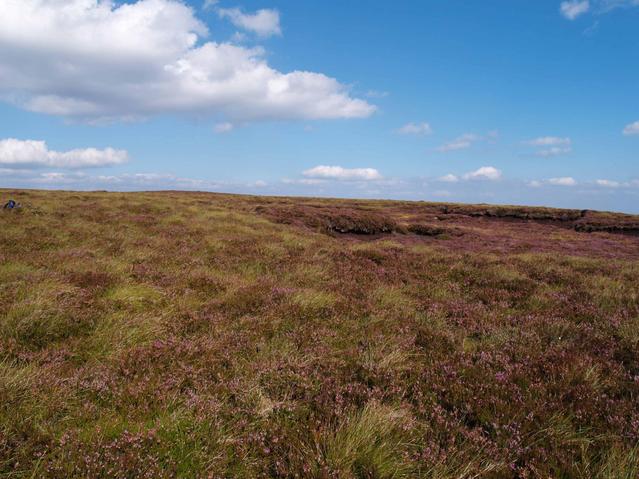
column 202, row 335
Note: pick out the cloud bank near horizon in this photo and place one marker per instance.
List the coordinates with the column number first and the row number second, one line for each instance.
column 26, row 154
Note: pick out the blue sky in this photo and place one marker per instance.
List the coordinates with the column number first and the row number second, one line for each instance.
column 520, row 102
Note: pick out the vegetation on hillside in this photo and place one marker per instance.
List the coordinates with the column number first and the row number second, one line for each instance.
column 201, row 335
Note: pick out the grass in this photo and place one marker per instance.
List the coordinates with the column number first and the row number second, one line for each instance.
column 369, row 443
column 199, row 335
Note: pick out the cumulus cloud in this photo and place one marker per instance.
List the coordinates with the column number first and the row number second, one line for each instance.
column 103, row 60
column 264, row 22
column 631, row 129
column 484, row 173
column 460, row 143
column 449, row 178
column 415, row 129
column 571, row 9
column 608, row 183
column 563, row 181
column 339, row 173
column 35, row 154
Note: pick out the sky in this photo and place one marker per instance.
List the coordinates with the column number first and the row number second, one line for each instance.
column 531, row 102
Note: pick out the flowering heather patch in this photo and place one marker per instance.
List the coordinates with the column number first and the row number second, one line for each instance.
column 202, row 335
column 358, row 220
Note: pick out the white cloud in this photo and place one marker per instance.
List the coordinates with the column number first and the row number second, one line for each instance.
column 339, row 173
column 57, row 178
column 208, row 4
column 104, row 60
column 156, row 181
column 631, row 129
column 415, row 129
column 570, row 181
column 449, row 178
column 554, row 151
column 121, row 182
column 563, row 181
column 264, row 22
column 303, row 181
column 30, row 153
column 549, row 141
column 225, row 127
column 554, row 145
column 239, row 37
column 608, row 183
column 571, row 9
column 484, row 173
column 460, row 143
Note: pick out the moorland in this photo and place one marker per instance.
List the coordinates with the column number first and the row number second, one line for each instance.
column 179, row 334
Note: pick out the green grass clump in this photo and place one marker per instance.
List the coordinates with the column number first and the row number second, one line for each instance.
column 44, row 313
column 136, row 297
column 369, row 443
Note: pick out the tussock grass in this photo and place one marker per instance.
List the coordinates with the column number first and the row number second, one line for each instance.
column 315, row 302
column 369, row 443
column 44, row 313
column 16, row 383
column 134, row 297
column 117, row 332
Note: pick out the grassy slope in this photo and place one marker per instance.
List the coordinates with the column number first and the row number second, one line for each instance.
column 195, row 335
